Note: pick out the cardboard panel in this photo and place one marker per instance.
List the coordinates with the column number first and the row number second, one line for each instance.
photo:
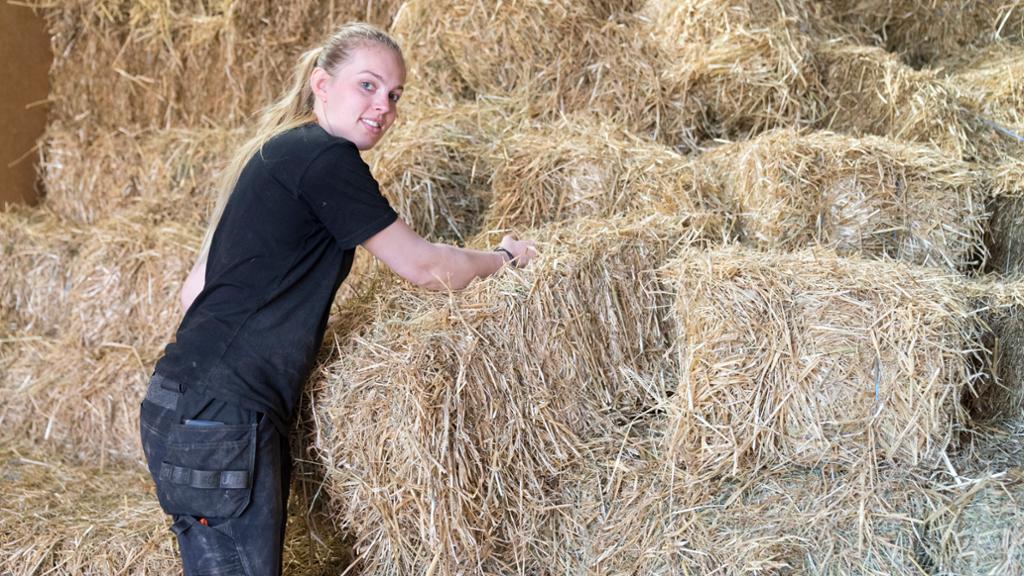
column 25, row 58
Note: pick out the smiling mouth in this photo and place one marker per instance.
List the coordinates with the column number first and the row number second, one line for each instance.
column 371, row 123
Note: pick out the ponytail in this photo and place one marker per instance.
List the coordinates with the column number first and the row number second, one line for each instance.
column 293, row 109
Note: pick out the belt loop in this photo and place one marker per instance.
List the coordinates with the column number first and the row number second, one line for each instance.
column 168, row 384
column 180, row 525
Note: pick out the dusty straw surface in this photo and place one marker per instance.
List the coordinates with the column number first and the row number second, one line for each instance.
column 868, row 195
column 923, row 32
column 448, row 426
column 816, row 522
column 989, row 81
column 583, row 167
column 85, row 399
column 63, row 516
column 90, row 175
column 978, row 532
column 89, row 309
column 169, row 64
column 808, row 359
column 999, row 398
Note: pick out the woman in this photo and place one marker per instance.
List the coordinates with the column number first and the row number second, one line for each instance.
column 296, row 202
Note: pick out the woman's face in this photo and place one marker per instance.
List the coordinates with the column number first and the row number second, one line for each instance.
column 359, row 101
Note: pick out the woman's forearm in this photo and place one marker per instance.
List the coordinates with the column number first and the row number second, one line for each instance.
column 456, row 267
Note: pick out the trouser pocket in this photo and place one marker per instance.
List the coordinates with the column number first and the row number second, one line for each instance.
column 207, row 470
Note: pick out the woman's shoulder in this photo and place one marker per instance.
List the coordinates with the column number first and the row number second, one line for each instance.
column 309, row 139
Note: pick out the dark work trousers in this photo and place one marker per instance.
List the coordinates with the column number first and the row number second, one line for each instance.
column 223, row 474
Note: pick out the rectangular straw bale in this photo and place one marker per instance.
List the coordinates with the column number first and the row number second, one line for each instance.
column 869, row 91
column 868, row 195
column 62, row 515
column 809, row 359
column 1005, row 234
column 568, row 56
column 125, row 282
column 979, row 532
column 738, row 67
column 89, row 174
column 59, row 391
column 448, row 425
column 172, row 64
column 816, row 522
column 990, row 86
column 992, row 78
column 584, row 167
column 617, row 517
column 117, row 281
column 926, row 32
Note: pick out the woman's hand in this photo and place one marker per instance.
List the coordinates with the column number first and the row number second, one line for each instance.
column 522, row 250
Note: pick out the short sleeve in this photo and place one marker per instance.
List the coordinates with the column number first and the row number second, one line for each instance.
column 341, row 192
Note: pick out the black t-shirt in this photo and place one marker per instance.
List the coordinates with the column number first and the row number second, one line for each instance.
column 281, row 250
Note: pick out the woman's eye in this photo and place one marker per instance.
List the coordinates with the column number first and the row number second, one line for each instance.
column 394, row 96
column 366, row 85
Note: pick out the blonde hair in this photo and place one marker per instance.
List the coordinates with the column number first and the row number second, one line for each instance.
column 294, row 108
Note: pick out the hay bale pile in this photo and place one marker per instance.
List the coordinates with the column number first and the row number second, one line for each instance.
column 477, row 418
column 568, row 56
column 758, row 338
column 177, row 65
column 872, row 92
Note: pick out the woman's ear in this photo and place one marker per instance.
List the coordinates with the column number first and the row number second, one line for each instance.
column 318, row 83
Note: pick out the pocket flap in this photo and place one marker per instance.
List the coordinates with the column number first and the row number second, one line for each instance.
column 207, row 471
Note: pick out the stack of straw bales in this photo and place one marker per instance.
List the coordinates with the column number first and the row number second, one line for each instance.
column 435, row 167
column 539, row 419
column 869, row 195
column 93, row 306
column 871, row 92
column 93, row 174
column 640, row 400
column 450, row 426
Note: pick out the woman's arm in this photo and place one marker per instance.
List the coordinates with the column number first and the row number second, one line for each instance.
column 440, row 266
column 193, row 284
